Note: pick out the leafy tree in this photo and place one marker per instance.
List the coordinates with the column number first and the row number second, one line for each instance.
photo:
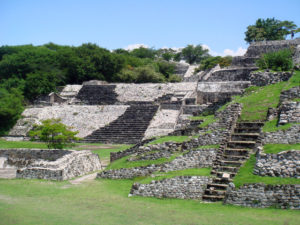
column 269, row 29
column 37, row 84
column 211, row 62
column 143, row 53
column 11, row 107
column 277, row 61
column 54, row 133
column 194, row 54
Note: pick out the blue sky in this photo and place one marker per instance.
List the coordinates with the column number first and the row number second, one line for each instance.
column 112, row 24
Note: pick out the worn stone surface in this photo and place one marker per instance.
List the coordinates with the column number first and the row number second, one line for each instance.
column 289, row 112
column 262, row 78
column 283, row 164
column 262, row 196
column 183, row 187
column 84, row 119
column 210, row 92
column 49, row 164
column 231, row 74
column 289, row 136
column 163, row 123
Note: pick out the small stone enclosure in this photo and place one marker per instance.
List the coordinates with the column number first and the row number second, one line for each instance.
column 47, row 164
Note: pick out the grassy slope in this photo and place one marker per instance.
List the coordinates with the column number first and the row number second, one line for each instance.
column 257, row 100
column 178, row 139
column 276, row 148
column 106, row 202
column 245, row 175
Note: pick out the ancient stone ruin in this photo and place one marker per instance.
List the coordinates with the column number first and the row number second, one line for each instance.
column 136, row 113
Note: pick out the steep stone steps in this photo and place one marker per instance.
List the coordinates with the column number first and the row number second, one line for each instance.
column 241, row 144
column 231, row 159
column 244, row 136
column 128, row 128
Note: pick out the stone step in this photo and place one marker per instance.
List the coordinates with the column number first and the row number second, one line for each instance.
column 230, row 169
column 215, row 192
column 236, row 152
column 244, row 136
column 248, row 125
column 241, row 144
column 231, row 163
column 217, row 186
column 246, row 130
column 220, row 180
column 234, row 158
column 219, row 174
column 213, row 198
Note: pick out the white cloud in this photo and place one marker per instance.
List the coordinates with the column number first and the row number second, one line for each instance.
column 239, row 52
column 134, row 46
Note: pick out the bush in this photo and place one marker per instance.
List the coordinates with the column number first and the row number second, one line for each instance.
column 55, row 134
column 147, row 74
column 277, row 61
column 211, row 62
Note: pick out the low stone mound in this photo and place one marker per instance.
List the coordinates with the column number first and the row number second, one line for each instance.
column 47, row 164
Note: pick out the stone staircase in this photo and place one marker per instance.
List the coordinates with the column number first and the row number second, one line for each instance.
column 98, row 94
column 230, row 159
column 128, row 128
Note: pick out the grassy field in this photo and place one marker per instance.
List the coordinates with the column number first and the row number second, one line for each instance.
column 106, row 202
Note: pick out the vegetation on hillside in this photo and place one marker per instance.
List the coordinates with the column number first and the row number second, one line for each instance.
column 276, row 61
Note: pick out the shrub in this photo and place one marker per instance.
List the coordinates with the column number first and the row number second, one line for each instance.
column 211, row 62
column 277, row 61
column 55, row 134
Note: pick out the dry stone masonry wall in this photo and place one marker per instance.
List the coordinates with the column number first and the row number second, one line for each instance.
column 283, row 164
column 289, row 112
column 262, row 196
column 290, row 94
column 289, row 136
column 49, row 164
column 259, row 78
column 183, row 187
column 193, row 159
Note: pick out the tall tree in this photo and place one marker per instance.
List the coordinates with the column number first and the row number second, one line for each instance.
column 269, row 29
column 194, row 54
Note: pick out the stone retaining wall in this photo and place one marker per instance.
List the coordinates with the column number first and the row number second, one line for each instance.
column 183, row 187
column 193, row 159
column 289, row 136
column 50, row 164
column 283, row 164
column 289, row 113
column 290, row 94
column 128, row 173
column 262, row 196
column 259, row 78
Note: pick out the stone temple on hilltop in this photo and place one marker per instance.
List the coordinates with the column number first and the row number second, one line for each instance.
column 128, row 113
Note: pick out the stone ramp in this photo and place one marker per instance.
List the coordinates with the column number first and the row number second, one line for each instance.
column 128, row 128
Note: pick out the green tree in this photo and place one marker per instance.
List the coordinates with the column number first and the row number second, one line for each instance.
column 143, row 52
column 194, row 54
column 56, row 134
column 269, row 29
column 11, row 107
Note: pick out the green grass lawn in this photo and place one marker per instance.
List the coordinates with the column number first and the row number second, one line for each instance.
column 276, row 148
column 245, row 175
column 271, row 126
column 106, row 202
